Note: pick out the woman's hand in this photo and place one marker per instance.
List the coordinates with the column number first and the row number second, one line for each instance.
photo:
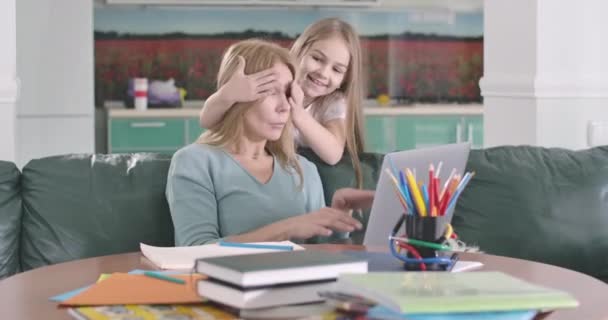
column 346, row 199
column 320, row 223
column 246, row 88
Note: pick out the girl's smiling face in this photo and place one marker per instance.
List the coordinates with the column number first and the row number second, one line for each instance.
column 323, row 68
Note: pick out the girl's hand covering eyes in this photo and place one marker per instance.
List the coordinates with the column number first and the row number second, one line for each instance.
column 252, row 87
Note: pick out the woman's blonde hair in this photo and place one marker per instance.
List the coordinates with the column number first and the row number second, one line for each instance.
column 351, row 88
column 259, row 55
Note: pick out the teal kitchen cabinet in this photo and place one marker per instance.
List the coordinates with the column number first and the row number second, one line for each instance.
column 193, row 129
column 419, row 131
column 146, row 135
column 474, row 131
column 436, row 130
column 387, row 133
column 386, row 130
column 379, row 134
column 153, row 130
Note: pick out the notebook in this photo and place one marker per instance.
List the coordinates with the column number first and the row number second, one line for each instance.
column 279, row 267
column 182, row 258
column 319, row 310
column 386, row 209
column 384, row 313
column 124, row 288
column 445, row 292
column 152, row 312
column 67, row 295
column 206, row 311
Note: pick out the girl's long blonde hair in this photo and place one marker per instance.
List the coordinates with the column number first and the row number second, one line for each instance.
column 259, row 55
column 352, row 86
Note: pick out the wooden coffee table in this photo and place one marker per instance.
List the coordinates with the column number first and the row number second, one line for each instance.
column 25, row 295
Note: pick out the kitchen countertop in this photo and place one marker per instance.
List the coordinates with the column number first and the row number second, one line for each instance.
column 191, row 111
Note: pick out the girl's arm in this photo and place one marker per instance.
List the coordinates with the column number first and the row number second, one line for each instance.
column 215, row 107
column 239, row 88
column 326, row 140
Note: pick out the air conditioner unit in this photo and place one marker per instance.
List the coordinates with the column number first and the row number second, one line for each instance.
column 302, row 3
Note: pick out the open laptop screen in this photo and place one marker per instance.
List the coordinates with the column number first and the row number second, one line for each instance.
column 386, row 209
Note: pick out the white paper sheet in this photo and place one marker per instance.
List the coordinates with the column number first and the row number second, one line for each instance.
column 183, row 257
column 462, row 266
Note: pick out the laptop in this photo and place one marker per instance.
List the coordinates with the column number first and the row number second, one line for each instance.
column 386, row 209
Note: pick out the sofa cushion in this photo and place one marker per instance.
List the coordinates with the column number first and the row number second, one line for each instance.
column 547, row 205
column 10, row 218
column 78, row 206
column 342, row 175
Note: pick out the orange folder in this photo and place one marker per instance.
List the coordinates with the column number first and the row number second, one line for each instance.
column 124, row 288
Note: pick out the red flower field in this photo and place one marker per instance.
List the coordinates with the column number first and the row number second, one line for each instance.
column 408, row 70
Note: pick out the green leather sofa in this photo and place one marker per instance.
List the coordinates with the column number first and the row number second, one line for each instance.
column 548, row 205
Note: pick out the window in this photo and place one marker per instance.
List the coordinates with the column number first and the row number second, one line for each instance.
column 429, row 55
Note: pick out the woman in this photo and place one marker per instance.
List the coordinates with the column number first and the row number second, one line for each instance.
column 242, row 181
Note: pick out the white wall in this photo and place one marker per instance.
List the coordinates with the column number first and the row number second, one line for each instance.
column 8, row 80
column 55, row 66
column 545, row 71
column 460, row 5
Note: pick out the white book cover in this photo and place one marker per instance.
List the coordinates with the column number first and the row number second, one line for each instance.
column 263, row 297
column 183, row 258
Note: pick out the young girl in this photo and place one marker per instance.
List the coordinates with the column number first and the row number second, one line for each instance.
column 328, row 55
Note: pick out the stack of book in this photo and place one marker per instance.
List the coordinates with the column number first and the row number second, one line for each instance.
column 273, row 279
column 446, row 295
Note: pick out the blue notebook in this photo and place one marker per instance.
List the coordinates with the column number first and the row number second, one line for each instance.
column 380, row 312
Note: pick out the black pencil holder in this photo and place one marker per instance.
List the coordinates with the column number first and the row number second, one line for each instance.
column 428, row 229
